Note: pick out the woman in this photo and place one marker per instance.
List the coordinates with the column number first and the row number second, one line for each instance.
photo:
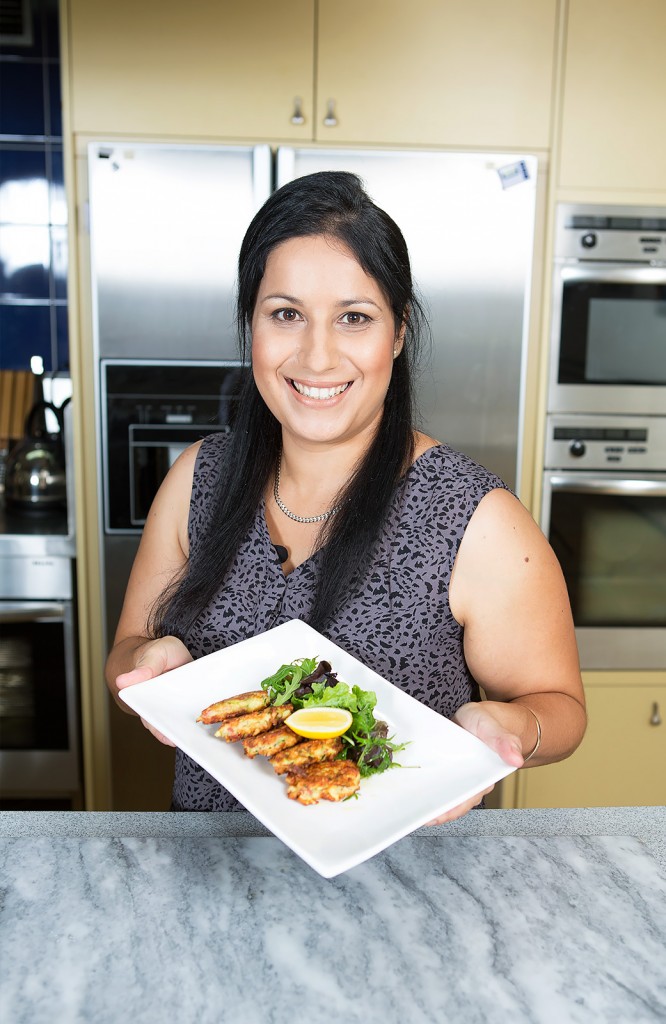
column 325, row 504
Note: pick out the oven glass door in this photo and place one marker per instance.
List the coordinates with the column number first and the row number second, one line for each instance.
column 612, row 327
column 609, row 535
column 39, row 725
column 608, row 531
column 34, row 686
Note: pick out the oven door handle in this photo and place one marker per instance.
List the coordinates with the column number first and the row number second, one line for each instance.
column 609, row 273
column 628, row 486
column 31, row 611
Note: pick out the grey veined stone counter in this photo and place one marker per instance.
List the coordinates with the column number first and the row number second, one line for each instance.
column 516, row 916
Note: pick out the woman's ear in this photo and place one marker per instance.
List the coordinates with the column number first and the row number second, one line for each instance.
column 400, row 337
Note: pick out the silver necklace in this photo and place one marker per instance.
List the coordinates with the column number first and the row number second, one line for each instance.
column 298, row 519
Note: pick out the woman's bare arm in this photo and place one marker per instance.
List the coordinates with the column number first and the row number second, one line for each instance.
column 508, row 592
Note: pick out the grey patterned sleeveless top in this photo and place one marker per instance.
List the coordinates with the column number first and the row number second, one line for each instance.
column 397, row 620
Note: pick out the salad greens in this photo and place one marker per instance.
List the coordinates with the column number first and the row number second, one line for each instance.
column 283, row 684
column 307, row 682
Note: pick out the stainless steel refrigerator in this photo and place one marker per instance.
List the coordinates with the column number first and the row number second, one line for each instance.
column 166, row 223
column 468, row 219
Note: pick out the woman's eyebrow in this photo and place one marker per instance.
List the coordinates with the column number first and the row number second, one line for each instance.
column 360, row 301
column 282, row 298
column 342, row 304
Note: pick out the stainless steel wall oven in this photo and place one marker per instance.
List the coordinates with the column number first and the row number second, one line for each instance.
column 39, row 727
column 604, row 513
column 608, row 340
column 151, row 410
column 604, row 486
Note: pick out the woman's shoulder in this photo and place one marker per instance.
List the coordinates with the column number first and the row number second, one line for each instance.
column 209, row 456
column 439, row 466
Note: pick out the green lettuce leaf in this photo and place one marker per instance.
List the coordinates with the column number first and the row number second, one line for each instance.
column 282, row 684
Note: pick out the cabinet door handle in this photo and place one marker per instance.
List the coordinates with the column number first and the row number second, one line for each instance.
column 655, row 717
column 330, row 120
column 297, row 116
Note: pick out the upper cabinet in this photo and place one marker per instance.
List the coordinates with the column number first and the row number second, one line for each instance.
column 350, row 71
column 446, row 73
column 209, row 69
column 613, row 117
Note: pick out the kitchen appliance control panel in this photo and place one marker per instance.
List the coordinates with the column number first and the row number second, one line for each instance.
column 603, row 442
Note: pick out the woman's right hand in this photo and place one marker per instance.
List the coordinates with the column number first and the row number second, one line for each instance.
column 153, row 659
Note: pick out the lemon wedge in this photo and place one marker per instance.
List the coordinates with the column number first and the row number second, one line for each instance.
column 319, row 723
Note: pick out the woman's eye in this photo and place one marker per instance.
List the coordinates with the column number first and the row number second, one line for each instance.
column 286, row 315
column 354, row 319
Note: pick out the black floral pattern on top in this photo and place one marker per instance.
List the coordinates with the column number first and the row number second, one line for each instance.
column 397, row 620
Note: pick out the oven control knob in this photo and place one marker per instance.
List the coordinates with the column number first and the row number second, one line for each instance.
column 577, row 449
column 589, row 240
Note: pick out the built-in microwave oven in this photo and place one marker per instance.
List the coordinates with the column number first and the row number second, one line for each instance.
column 151, row 411
column 608, row 337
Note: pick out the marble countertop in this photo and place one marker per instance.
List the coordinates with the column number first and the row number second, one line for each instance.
column 517, row 916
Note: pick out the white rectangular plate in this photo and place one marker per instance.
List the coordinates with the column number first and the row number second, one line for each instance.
column 443, row 764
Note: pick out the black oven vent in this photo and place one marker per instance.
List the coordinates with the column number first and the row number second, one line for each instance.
column 15, row 23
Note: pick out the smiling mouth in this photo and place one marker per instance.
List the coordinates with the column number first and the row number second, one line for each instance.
column 319, row 393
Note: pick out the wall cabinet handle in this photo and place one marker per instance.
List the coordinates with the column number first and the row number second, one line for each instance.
column 330, row 120
column 655, row 717
column 297, row 117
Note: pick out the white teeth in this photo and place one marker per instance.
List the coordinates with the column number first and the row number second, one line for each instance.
column 319, row 392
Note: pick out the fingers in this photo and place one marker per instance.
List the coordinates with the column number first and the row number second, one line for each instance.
column 158, row 735
column 508, row 748
column 153, row 659
column 481, row 722
column 163, row 655
column 461, row 809
column 137, row 675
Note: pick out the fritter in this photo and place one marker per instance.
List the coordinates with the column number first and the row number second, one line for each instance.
column 332, row 780
column 270, row 743
column 251, row 725
column 306, row 753
column 241, row 704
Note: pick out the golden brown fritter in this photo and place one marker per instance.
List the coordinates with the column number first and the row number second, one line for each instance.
column 270, row 743
column 332, row 780
column 241, row 704
column 306, row 753
column 251, row 725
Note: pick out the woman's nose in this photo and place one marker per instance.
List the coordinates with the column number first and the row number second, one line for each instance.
column 319, row 349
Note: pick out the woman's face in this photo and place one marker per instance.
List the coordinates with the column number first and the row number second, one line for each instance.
column 323, row 342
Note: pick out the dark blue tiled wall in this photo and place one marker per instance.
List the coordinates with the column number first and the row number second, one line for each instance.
column 33, row 214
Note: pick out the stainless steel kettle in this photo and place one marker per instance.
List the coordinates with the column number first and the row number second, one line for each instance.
column 35, row 470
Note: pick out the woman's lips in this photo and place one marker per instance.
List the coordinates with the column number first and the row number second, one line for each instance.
column 319, row 393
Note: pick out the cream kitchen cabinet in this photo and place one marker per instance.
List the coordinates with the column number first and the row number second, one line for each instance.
column 447, row 74
column 614, row 95
column 337, row 71
column 206, row 70
column 621, row 761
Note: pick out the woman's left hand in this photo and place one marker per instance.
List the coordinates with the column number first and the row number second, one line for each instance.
column 482, row 723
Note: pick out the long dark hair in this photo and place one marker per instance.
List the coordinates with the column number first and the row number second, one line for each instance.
column 331, row 203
